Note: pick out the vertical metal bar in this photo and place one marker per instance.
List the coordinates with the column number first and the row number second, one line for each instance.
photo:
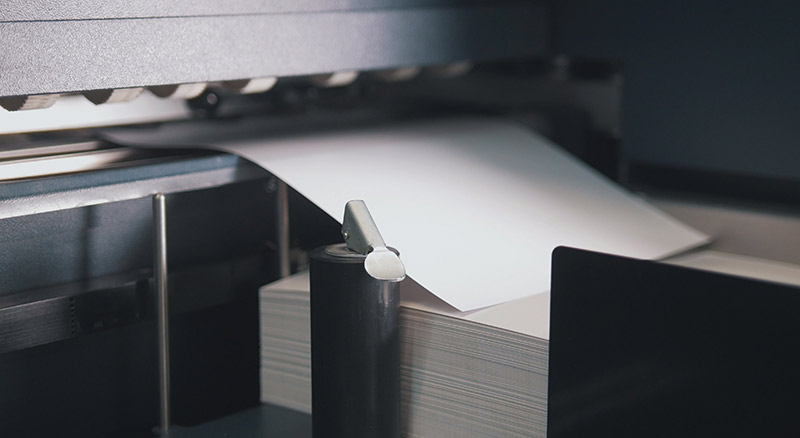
column 282, row 229
column 162, row 306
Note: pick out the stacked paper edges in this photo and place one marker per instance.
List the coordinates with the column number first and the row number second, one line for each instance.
column 459, row 378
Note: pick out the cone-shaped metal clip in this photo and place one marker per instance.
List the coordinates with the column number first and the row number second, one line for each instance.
column 362, row 236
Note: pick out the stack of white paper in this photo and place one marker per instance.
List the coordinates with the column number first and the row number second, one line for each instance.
column 286, row 343
column 459, row 377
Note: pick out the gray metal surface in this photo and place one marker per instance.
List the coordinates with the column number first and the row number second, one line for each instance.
column 30, row 10
column 263, row 421
column 359, row 229
column 752, row 230
column 65, row 192
column 43, row 165
column 79, row 55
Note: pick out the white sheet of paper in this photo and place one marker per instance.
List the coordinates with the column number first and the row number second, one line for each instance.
column 529, row 315
column 474, row 205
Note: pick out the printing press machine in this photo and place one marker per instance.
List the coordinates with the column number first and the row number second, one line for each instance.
column 693, row 105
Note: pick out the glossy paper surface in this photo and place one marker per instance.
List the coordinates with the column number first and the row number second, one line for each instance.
column 474, row 205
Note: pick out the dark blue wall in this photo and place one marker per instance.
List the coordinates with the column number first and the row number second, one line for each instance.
column 708, row 85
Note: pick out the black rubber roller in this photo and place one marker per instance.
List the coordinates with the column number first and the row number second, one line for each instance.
column 355, row 355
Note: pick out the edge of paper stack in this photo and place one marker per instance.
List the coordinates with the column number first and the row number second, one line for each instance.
column 459, row 377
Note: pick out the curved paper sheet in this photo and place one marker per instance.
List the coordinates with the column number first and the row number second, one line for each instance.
column 474, row 205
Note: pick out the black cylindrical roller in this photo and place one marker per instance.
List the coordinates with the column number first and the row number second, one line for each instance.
column 355, row 355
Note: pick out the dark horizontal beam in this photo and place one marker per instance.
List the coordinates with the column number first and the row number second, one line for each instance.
column 71, row 56
column 41, row 10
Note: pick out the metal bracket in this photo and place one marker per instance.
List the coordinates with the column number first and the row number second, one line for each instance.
column 362, row 236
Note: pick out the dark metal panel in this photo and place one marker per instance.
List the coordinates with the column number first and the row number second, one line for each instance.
column 639, row 348
column 104, row 383
column 68, row 56
column 49, row 249
column 79, row 359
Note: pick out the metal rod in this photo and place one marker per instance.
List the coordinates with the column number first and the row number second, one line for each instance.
column 282, row 229
column 162, row 306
